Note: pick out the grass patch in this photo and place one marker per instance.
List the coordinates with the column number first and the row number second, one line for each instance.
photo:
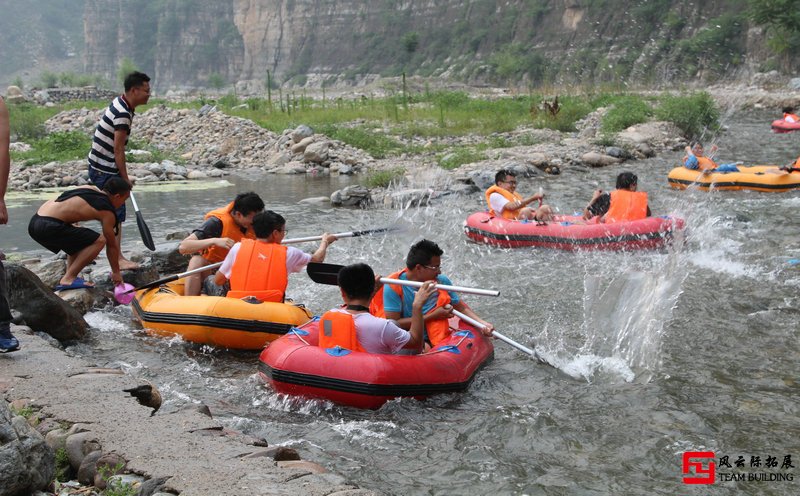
column 56, row 147
column 625, row 112
column 459, row 157
column 62, row 465
column 377, row 145
column 383, row 178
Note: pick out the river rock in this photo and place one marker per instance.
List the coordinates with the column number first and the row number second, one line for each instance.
column 617, row 152
column 794, row 84
column 351, row 196
column 316, row 152
column 316, row 200
column 27, row 463
column 42, row 310
column 88, row 468
column 167, row 259
column 301, row 146
column 79, row 445
column 50, row 271
column 408, row 198
column 596, row 159
column 482, row 179
column 301, row 133
column 14, row 94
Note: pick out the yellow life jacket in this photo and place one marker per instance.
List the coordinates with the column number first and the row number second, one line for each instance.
column 506, row 214
column 705, row 163
column 338, row 329
column 627, row 205
column 230, row 229
column 260, row 271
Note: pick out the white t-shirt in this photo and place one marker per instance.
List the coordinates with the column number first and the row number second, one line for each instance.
column 497, row 201
column 378, row 335
column 296, row 260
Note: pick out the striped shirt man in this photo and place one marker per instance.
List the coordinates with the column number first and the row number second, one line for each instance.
column 117, row 117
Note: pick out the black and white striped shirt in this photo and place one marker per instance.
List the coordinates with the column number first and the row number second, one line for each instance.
column 118, row 116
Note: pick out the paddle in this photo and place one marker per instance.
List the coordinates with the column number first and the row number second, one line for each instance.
column 143, row 229
column 175, row 277
column 324, row 273
column 503, row 338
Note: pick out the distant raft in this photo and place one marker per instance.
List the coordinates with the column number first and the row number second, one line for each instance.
column 767, row 178
column 784, row 126
column 215, row 320
column 569, row 232
column 294, row 364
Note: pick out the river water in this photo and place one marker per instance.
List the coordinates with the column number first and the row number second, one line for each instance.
column 692, row 348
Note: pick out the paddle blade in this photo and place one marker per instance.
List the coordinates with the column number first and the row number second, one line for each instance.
column 123, row 293
column 324, row 273
column 145, row 232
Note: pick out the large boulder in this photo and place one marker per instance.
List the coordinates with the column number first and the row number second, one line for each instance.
column 41, row 309
column 595, row 159
column 27, row 463
column 14, row 95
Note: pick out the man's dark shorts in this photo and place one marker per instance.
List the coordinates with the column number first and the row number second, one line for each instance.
column 99, row 179
column 57, row 235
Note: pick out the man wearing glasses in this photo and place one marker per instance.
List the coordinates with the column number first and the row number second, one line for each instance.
column 260, row 268
column 505, row 202
column 394, row 302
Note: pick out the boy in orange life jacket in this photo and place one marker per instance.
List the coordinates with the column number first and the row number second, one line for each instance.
column 354, row 328
column 623, row 204
column 695, row 160
column 504, row 201
column 260, row 267
column 423, row 263
column 210, row 242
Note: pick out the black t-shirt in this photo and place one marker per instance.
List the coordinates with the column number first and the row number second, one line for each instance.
column 211, row 228
column 601, row 205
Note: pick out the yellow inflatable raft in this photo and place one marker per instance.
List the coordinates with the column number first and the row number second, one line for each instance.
column 767, row 178
column 213, row 320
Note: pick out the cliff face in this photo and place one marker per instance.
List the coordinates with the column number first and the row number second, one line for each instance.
column 192, row 42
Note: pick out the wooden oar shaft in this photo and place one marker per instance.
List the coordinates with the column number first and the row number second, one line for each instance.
column 445, row 287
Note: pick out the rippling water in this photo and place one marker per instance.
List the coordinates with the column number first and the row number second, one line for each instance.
column 690, row 348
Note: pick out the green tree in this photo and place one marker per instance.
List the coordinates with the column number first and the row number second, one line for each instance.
column 216, row 81
column 410, row 42
column 782, row 20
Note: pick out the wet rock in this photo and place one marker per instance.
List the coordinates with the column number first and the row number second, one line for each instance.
column 27, row 463
column 82, row 300
column 595, row 159
column 617, row 152
column 316, row 200
column 42, row 310
column 351, row 196
column 408, row 198
column 167, row 259
column 482, row 179
column 88, row 468
column 78, row 446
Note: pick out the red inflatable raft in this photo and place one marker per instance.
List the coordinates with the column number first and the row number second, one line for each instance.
column 294, row 364
column 783, row 126
column 568, row 232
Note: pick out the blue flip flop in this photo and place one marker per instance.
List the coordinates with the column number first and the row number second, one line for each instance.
column 78, row 283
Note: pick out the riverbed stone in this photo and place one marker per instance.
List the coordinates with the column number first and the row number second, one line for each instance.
column 316, row 152
column 301, row 146
column 42, row 310
column 596, row 159
column 301, row 132
column 79, row 445
column 27, row 463
column 88, row 468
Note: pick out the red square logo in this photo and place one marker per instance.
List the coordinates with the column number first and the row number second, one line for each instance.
column 694, row 460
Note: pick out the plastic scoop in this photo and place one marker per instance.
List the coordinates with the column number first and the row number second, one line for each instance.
column 122, row 295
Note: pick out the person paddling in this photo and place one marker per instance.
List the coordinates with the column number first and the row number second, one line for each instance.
column 790, row 116
column 352, row 327
column 503, row 200
column 53, row 226
column 394, row 302
column 260, row 267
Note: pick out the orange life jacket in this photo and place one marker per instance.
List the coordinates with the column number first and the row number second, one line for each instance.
column 230, row 229
column 438, row 330
column 338, row 329
column 259, row 270
column 627, row 205
column 506, row 214
column 705, row 163
column 797, row 162
column 791, row 118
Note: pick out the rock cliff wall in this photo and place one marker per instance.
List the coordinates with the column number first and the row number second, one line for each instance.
column 219, row 42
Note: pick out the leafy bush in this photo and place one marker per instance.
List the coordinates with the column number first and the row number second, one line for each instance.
column 626, row 111
column 27, row 121
column 49, row 79
column 694, row 114
column 382, row 179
